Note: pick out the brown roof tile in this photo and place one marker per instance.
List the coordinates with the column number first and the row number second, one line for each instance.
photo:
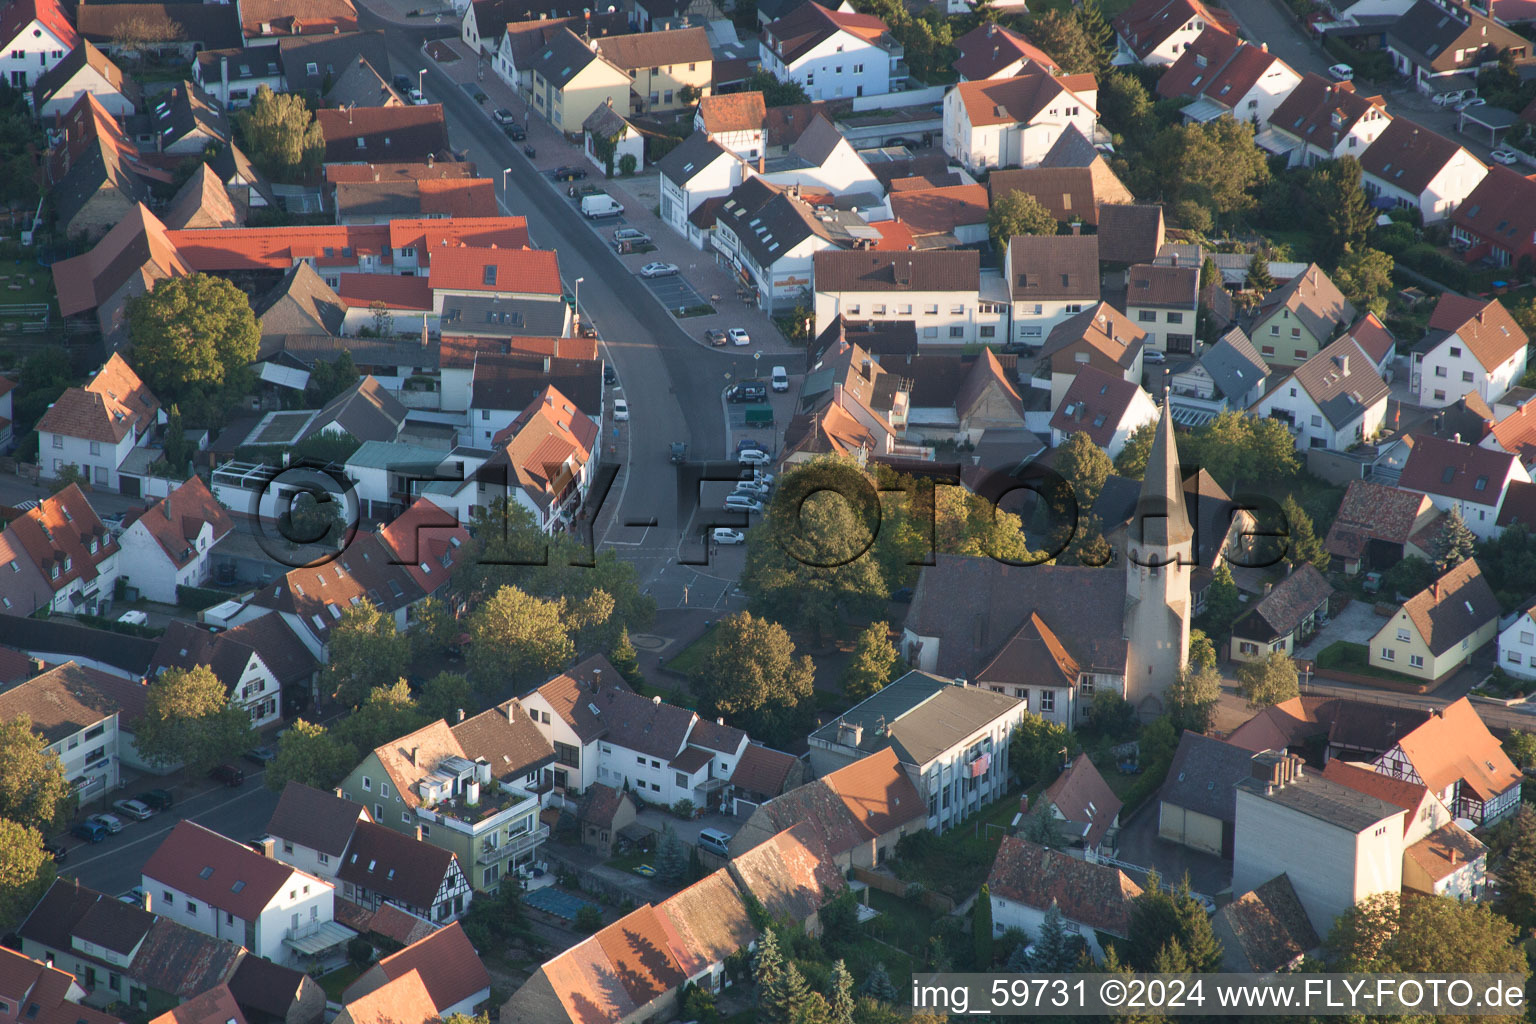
column 790, row 874
column 1487, row 328
column 1096, row 895
column 1158, row 285
column 1018, row 100
column 1446, row 850
column 943, row 270
column 1054, row 267
column 1268, row 928
column 403, row 1000
column 1146, row 23
column 654, row 49
column 1452, row 608
column 1130, row 233
column 1407, row 156
column 1095, row 403
column 990, row 48
column 315, row 818
column 733, row 112
column 222, row 873
column 1454, row 745
column 506, row 737
column 1281, row 611
column 61, row 701
column 1085, row 800
column 1070, row 193
column 216, row 1006
column 1463, row 471
column 710, row 918
column 762, row 770
column 114, row 403
column 569, row 694
column 939, row 211
column 447, row 963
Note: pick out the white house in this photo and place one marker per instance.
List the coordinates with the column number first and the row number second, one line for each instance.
column 1456, row 758
column 1517, row 644
column 62, row 557
column 310, row 828
column 1440, row 46
column 1224, row 75
column 544, row 459
column 1420, row 170
column 1469, row 478
column 697, row 170
column 169, row 544
column 1339, row 846
column 383, row 474
column 938, row 290
column 832, row 54
column 1472, row 345
column 95, row 427
column 821, row 160
column 1014, row 122
column 1164, row 301
column 1324, row 120
column 1108, row 409
column 250, row 677
column 1027, row 879
column 86, row 69
column 1334, row 400
column 1050, row 278
column 34, row 36
column 769, row 235
column 76, row 711
column 222, row 888
column 1156, row 32
column 736, row 121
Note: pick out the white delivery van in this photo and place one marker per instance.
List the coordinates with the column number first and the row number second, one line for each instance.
column 593, row 207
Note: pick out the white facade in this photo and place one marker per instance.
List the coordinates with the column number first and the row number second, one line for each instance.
column 27, row 55
column 1359, row 138
column 717, row 178
column 90, row 758
column 1013, row 144
column 941, row 318
column 1450, row 370
column 1308, row 424
column 97, row 461
column 1482, row 517
column 91, row 591
column 1165, row 52
column 1140, row 411
column 1033, row 321
column 1007, row 914
column 304, row 902
column 148, row 567
column 1445, row 191
column 1517, row 647
column 747, row 143
column 780, row 285
column 1162, row 323
column 1266, row 94
column 86, row 80
column 842, row 65
column 952, row 791
column 576, row 762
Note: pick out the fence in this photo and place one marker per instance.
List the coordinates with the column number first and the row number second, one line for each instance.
column 934, row 901
column 24, row 318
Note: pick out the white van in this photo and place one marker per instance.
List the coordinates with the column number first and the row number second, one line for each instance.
column 780, row 379
column 593, row 207
column 715, row 841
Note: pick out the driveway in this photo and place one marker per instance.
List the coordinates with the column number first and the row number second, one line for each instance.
column 1140, row 845
column 1356, row 624
column 687, row 831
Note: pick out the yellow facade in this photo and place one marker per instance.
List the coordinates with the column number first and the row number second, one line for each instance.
column 595, row 85
column 661, row 88
column 1399, row 647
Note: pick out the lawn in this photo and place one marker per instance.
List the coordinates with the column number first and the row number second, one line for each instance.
column 1348, row 657
column 337, row 981
column 691, row 658
column 957, row 862
column 904, row 923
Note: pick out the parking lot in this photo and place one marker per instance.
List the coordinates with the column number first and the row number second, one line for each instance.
column 673, row 291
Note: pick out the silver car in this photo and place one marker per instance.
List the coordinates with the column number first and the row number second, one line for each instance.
column 109, row 822
column 133, row 809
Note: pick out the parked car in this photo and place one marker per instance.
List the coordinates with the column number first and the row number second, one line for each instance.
column 715, row 841
column 586, row 329
column 1475, row 101
column 900, row 140
column 1341, row 73
column 1153, row 356
column 159, row 799
column 610, row 376
column 658, row 270
column 620, row 410
column 1453, row 98
column 228, row 774
column 747, row 444
column 569, row 173
column 600, row 205
column 504, row 116
column 721, row 535
column 747, row 391
column 111, row 822
column 260, row 755
column 58, row 851
column 741, row 502
column 134, row 810
column 739, row 336
column 90, row 830
column 1504, row 156
column 780, row 378
column 716, row 337
column 751, row 490
column 415, row 96
column 403, row 83
column 634, row 236
column 763, row 477
column 516, row 133
column 134, row 618
column 753, row 458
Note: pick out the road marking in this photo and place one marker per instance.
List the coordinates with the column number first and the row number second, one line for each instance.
column 166, row 831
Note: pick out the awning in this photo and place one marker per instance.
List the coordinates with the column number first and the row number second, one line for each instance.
column 327, row 936
column 1204, row 110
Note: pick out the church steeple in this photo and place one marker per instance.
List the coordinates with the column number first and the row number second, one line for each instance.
column 1161, row 520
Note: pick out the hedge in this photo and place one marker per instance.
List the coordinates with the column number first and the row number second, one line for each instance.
column 112, row 625
column 198, row 598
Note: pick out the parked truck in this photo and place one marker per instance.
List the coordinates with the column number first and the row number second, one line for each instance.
column 593, row 207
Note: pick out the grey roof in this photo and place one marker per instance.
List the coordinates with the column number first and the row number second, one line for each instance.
column 512, row 381
column 1282, row 610
column 315, row 818
column 689, row 157
column 189, row 108
column 1071, row 149
column 891, row 339
column 1129, row 232
column 362, row 85
column 605, row 121
column 259, row 60
column 1265, row 929
column 331, row 55
column 231, row 162
column 921, row 715
column 817, row 142
column 300, row 303
column 1116, row 502
column 1202, row 775
column 1342, row 381
column 641, row 724
column 1234, row 364
column 562, row 58
column 1324, row 800
column 769, row 222
column 365, row 410
column 484, row 316
column 395, row 455
column 311, row 349
column 99, row 168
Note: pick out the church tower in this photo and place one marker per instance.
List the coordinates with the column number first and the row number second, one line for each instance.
column 1159, row 559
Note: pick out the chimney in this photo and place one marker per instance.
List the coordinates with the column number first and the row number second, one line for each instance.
column 268, row 847
column 461, row 714
column 1268, row 766
column 511, row 710
column 1267, row 588
column 472, row 793
column 656, row 700
column 1456, row 437
column 1077, row 229
column 224, row 77
column 145, row 900
column 762, row 158
column 418, row 832
column 411, row 754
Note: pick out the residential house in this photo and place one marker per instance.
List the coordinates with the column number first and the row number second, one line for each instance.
column 1471, row 345
column 946, row 217
column 1377, row 526
column 310, row 828
column 187, row 120
column 1285, row 618
column 1470, row 479
column 182, row 30
column 953, row 738
column 227, row 890
column 608, row 137
column 1375, row 340
column 1339, row 846
column 1027, row 880
column 379, row 202
column 1102, row 338
column 1298, row 318
column 991, row 50
column 1108, row 409
column 451, row 970
column 315, row 63
column 403, row 999
column 36, row 36
column 169, row 545
column 1130, row 233
column 470, row 788
column 202, row 202
column 216, row 1006
column 1050, row 278
column 263, row 18
column 938, row 290
column 1419, row 170
column 692, row 174
column 360, row 135
column 381, row 865
column 603, row 813
column 792, row 873
column 823, row 163
column 668, row 70
column 1014, row 122
column 1265, row 930
column 1224, row 76
column 234, row 76
column 1517, row 645
column 711, row 921
column 1073, row 195
column 761, row 774
column 1431, row 44
column 269, row 994
column 76, row 711
column 1197, row 805
column 1164, row 301
column 129, row 261
column 505, row 274
column 970, row 399
column 1335, row 400
column 734, row 121
column 62, row 541
column 1229, row 374
column 366, row 411
column 1156, row 32
column 1460, row 761
column 1437, row 630
column 546, row 459
column 833, row 54
column 1087, row 810
column 570, row 80
column 1323, row 120
column 1515, row 433
column 1495, row 221
column 300, row 303
column 859, row 401
column 94, row 428
column 95, row 173
column 85, row 70
column 769, row 235
column 266, row 668
column 505, row 386
column 859, row 812
column 522, row 41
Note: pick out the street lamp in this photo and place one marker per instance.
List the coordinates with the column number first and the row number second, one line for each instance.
column 419, row 87
column 504, row 172
column 576, row 302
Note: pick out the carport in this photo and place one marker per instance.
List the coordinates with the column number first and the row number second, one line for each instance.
column 1489, row 118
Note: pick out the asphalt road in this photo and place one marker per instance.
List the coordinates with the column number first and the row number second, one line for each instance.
column 116, row 864
column 673, row 393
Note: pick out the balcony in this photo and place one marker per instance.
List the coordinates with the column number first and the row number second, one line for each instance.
column 512, row 847
column 457, row 814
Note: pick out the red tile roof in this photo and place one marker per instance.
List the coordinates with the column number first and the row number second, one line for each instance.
column 403, row 1000
column 394, row 290
column 216, row 1006
column 1485, row 326
column 367, row 134
column 1085, row 800
column 340, row 174
column 990, row 47
column 520, row 271
column 1148, row 22
column 114, row 404
column 1095, row 403
column 47, row 13
column 894, row 236
column 1217, row 65
column 427, row 540
column 1449, row 610
column 1096, row 895
column 58, row 535
column 449, row 966
column 1463, row 471
column 135, row 247
column 1500, row 211
column 176, row 520
column 1323, row 112
column 226, row 875
column 1407, row 156
column 791, row 873
column 547, row 446
column 710, row 919
column 1455, row 745
column 1373, row 337
column 1516, row 434
column 1020, row 99
column 795, row 34
column 733, row 112
column 939, row 211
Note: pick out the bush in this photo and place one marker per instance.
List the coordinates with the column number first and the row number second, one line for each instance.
column 359, row 951
column 198, row 598
column 588, row 919
column 684, row 809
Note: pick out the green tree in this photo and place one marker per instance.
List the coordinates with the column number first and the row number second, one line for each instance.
column 841, row 1004
column 877, row 984
column 311, row 754
column 1520, row 745
column 1304, row 545
column 26, row 871
column 1043, row 828
column 194, row 339
column 589, row 918
column 1084, row 466
column 1125, row 106
column 365, row 651
column 435, row 629
column 1341, row 211
column 1268, row 681
column 624, row 658
column 775, row 93
column 329, row 379
column 1096, row 29
column 517, row 635
column 1202, row 652
column 1259, row 278
column 1017, row 212
column 177, row 451
column 671, row 858
column 1408, row 577
column 1132, row 460
column 313, row 519
column 1063, row 37
column 388, row 713
column 1454, row 544
column 188, row 721
column 281, row 133
column 445, row 695
column 981, row 929
column 769, row 974
column 1364, row 275
column 1193, row 697
column 1158, row 742
column 1222, row 604
column 874, row 662
column 1209, row 167
column 34, row 790
column 752, row 676
column 1036, row 748
column 1517, row 871
column 1408, row 933
column 798, row 997
column 1056, row 948
column 1162, row 918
